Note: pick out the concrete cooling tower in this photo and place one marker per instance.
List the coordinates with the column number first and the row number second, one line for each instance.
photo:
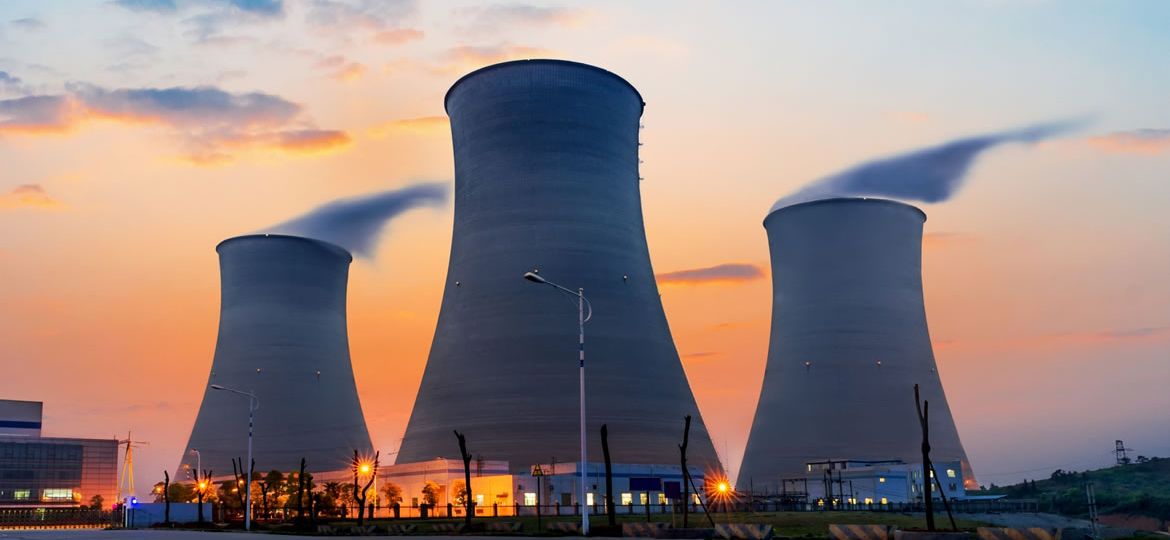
column 282, row 336
column 546, row 177
column 849, row 342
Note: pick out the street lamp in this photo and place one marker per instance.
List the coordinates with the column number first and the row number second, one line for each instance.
column 198, row 463
column 582, row 318
column 253, row 404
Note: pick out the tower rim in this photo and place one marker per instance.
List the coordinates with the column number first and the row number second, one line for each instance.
column 329, row 246
column 845, row 200
column 510, row 63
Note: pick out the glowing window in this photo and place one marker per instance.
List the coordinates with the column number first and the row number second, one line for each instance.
column 627, row 498
column 881, row 479
column 643, row 498
column 809, row 468
column 661, row 498
column 529, row 499
column 869, row 500
column 21, row 494
column 589, row 499
column 479, row 499
column 950, row 473
column 884, row 501
column 58, row 494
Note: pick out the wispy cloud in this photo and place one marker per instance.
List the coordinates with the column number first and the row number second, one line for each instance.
column 723, row 273
column 1062, row 340
column 11, row 84
column 652, row 45
column 380, row 18
column 420, row 124
column 464, row 58
column 257, row 7
column 210, row 121
column 28, row 23
column 31, row 196
column 494, row 17
column 207, row 19
column 1138, row 141
column 342, row 69
column 704, row 355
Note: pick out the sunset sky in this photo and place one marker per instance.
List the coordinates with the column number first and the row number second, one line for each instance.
column 137, row 134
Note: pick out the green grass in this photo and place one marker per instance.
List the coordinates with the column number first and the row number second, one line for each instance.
column 1138, row 488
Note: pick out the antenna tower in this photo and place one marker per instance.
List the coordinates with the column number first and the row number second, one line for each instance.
column 126, row 477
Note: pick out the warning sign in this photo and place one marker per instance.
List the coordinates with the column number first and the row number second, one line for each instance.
column 537, row 471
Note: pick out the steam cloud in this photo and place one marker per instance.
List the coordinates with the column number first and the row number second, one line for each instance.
column 931, row 174
column 356, row 223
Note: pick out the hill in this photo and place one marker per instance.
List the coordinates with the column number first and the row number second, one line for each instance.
column 1138, row 488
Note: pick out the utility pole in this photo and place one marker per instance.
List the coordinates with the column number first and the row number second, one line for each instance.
column 1119, row 451
column 1091, row 497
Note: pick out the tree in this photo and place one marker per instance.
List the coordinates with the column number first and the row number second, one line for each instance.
column 360, row 466
column 459, row 493
column 167, row 498
column 609, row 507
column 431, row 491
column 201, row 485
column 682, row 448
column 393, row 493
column 301, row 492
column 270, row 483
column 464, row 493
column 96, row 502
column 923, row 408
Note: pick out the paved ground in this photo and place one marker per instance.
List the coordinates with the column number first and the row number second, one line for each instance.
column 166, row 535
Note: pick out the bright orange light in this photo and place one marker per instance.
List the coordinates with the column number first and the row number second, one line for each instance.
column 722, row 487
column 364, row 468
column 202, row 486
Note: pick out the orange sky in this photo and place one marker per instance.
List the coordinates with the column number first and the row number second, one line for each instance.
column 1045, row 279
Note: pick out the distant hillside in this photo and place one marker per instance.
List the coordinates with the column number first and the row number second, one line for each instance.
column 1137, row 488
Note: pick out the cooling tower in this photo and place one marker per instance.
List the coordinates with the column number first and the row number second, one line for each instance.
column 546, row 177
column 849, row 342
column 282, row 336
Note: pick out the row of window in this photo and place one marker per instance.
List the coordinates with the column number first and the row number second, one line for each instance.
column 626, row 498
column 47, row 494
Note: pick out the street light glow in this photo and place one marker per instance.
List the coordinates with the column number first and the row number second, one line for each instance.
column 364, row 468
column 722, row 487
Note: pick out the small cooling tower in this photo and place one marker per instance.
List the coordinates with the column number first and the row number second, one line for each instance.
column 282, row 336
column 849, row 342
column 546, row 177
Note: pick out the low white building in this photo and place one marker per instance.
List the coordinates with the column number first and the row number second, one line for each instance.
column 867, row 482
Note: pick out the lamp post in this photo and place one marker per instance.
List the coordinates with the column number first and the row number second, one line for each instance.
column 582, row 318
column 253, row 404
column 198, row 463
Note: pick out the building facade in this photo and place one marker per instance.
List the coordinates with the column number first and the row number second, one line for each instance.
column 858, row 482
column 47, row 472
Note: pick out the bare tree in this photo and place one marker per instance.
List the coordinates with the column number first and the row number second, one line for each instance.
column 201, row 484
column 467, row 477
column 923, row 408
column 166, row 498
column 685, row 477
column 301, row 493
column 359, row 497
column 609, row 508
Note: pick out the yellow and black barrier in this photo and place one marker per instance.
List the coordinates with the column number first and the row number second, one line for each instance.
column 859, row 532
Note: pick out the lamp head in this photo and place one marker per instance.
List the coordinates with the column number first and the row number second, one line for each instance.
column 217, row 387
column 534, row 277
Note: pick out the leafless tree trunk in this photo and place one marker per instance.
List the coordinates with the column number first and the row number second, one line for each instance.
column 466, row 477
column 609, row 508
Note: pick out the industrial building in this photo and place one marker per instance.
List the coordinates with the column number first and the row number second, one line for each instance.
column 51, row 472
column 849, row 342
column 855, row 482
column 547, row 181
column 283, row 339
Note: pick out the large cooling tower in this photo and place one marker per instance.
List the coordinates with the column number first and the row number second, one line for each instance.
column 546, row 177
column 849, row 342
column 282, row 336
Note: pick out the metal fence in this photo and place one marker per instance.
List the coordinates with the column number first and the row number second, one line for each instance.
column 56, row 518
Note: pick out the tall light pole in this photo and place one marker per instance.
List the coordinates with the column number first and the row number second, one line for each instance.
column 582, row 318
column 253, row 404
column 198, row 462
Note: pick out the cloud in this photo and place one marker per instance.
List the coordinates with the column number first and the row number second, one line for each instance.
column 28, row 23
column 398, row 36
column 211, row 122
column 1138, row 141
column 466, row 58
column 492, row 17
column 723, row 273
column 31, row 196
column 1063, row 340
column 420, row 124
column 268, row 8
column 11, row 84
column 341, row 69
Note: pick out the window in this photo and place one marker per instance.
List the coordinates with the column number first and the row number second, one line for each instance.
column 643, row 498
column 881, row 479
column 884, row 501
column 589, row 499
column 57, row 494
column 529, row 499
column 479, row 499
column 661, row 498
column 869, row 500
column 950, row 473
column 627, row 498
column 21, row 494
